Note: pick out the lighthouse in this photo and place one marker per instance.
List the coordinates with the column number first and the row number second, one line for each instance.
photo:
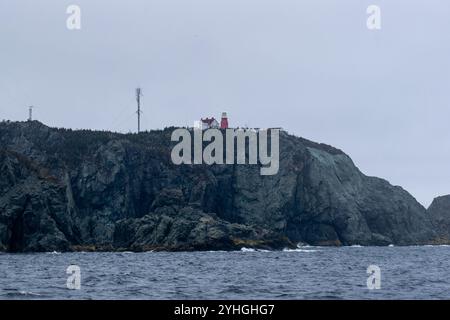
column 224, row 121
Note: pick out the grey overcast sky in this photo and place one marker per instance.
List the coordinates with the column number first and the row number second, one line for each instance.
column 309, row 66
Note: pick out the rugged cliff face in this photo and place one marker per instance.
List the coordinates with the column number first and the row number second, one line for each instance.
column 439, row 211
column 78, row 190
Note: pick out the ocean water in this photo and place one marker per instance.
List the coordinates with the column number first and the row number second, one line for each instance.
column 307, row 273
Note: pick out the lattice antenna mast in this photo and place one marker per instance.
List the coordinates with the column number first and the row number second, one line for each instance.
column 30, row 113
column 138, row 100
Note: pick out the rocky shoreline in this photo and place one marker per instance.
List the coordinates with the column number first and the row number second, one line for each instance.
column 68, row 190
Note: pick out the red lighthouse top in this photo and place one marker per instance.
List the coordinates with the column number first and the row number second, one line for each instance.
column 224, row 121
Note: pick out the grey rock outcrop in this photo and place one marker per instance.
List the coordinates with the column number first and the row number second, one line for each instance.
column 439, row 212
column 88, row 190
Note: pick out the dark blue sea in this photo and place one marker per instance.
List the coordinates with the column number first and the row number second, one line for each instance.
column 306, row 273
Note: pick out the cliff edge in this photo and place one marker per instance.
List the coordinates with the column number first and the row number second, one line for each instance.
column 68, row 190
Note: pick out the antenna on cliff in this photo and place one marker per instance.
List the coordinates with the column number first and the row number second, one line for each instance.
column 30, row 113
column 138, row 100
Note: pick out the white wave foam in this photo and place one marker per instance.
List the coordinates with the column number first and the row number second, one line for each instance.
column 53, row 252
column 435, row 245
column 299, row 250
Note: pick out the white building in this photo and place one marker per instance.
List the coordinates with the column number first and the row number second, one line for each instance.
column 206, row 123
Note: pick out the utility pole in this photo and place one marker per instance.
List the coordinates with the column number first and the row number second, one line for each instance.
column 30, row 113
column 138, row 100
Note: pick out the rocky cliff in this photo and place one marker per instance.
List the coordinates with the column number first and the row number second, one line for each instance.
column 439, row 211
column 88, row 190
